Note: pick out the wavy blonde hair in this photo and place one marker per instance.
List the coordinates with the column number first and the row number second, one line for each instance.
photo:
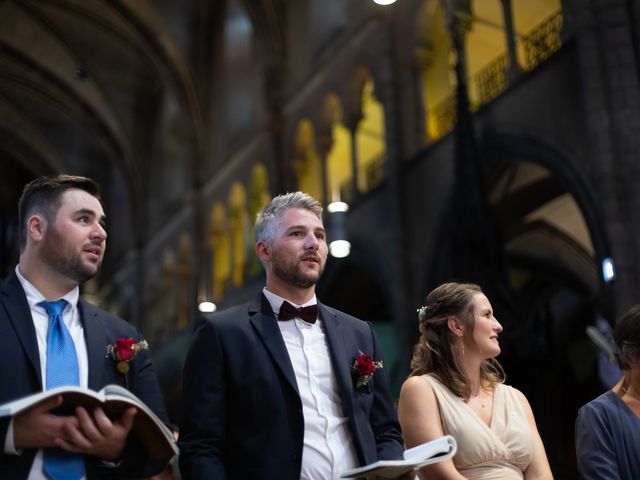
column 434, row 352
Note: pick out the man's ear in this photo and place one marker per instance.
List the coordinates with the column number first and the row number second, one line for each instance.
column 36, row 226
column 455, row 326
column 263, row 251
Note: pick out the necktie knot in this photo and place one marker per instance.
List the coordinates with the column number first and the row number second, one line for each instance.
column 53, row 308
column 287, row 312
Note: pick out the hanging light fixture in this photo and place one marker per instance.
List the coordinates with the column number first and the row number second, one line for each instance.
column 339, row 246
column 207, row 307
column 608, row 270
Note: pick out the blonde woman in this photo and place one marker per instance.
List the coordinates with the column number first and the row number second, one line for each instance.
column 456, row 387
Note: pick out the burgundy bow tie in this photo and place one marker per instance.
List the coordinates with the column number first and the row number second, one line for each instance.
column 308, row 314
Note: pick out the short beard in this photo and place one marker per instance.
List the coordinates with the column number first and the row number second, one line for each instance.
column 291, row 274
column 57, row 254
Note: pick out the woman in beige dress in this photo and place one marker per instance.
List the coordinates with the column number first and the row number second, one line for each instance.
column 456, row 388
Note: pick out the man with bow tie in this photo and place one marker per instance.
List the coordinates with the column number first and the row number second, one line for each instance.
column 270, row 387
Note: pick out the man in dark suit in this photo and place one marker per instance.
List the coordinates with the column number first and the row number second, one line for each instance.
column 62, row 243
column 270, row 390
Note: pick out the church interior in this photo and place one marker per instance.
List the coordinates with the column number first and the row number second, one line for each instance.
column 494, row 141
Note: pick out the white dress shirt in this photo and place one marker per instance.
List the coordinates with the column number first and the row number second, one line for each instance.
column 71, row 318
column 328, row 447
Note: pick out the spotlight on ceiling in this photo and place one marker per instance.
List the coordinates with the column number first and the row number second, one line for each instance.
column 608, row 269
column 207, row 307
column 339, row 246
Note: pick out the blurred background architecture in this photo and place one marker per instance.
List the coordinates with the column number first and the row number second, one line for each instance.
column 490, row 140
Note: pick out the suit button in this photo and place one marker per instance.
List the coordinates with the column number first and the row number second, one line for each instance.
column 296, row 457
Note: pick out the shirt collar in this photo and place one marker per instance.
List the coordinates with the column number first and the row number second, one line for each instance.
column 34, row 296
column 276, row 301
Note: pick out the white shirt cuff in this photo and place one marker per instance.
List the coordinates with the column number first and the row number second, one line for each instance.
column 9, row 446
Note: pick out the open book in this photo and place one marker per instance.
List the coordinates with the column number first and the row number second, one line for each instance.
column 414, row 458
column 156, row 437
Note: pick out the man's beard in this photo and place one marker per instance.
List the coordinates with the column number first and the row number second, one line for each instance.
column 58, row 254
column 291, row 273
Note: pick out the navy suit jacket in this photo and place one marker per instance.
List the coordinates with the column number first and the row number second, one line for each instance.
column 242, row 410
column 21, row 376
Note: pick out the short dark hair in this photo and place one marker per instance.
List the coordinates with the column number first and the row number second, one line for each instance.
column 42, row 196
column 627, row 336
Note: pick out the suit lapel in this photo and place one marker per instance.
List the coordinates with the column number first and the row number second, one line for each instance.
column 266, row 326
column 341, row 358
column 96, row 336
column 15, row 302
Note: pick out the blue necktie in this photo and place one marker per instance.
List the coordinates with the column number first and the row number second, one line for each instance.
column 62, row 369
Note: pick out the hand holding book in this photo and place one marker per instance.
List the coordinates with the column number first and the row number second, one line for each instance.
column 414, row 459
column 114, row 401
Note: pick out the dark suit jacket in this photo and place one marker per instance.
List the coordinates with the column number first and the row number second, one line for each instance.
column 21, row 376
column 242, row 410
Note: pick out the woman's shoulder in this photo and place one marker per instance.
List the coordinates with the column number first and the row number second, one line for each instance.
column 416, row 382
column 513, row 392
column 508, row 388
column 418, row 385
column 601, row 404
column 427, row 385
column 417, row 394
column 600, row 414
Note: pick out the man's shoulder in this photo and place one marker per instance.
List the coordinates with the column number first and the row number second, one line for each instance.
column 232, row 317
column 90, row 311
column 342, row 316
column 10, row 286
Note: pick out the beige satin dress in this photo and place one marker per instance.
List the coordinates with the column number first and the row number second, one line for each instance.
column 501, row 451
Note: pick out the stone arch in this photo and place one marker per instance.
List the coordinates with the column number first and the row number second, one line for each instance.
column 258, row 196
column 184, row 274
column 307, row 163
column 242, row 68
column 238, row 224
column 338, row 147
column 164, row 299
column 553, row 242
column 433, row 61
column 369, row 136
column 220, row 246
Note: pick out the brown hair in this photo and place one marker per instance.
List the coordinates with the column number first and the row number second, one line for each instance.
column 42, row 196
column 434, row 353
column 627, row 336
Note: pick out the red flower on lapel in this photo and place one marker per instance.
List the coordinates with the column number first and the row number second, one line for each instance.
column 363, row 369
column 124, row 351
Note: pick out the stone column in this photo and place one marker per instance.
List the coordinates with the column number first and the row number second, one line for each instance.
column 605, row 36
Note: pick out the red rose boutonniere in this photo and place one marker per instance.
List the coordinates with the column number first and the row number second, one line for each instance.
column 363, row 369
column 124, row 351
